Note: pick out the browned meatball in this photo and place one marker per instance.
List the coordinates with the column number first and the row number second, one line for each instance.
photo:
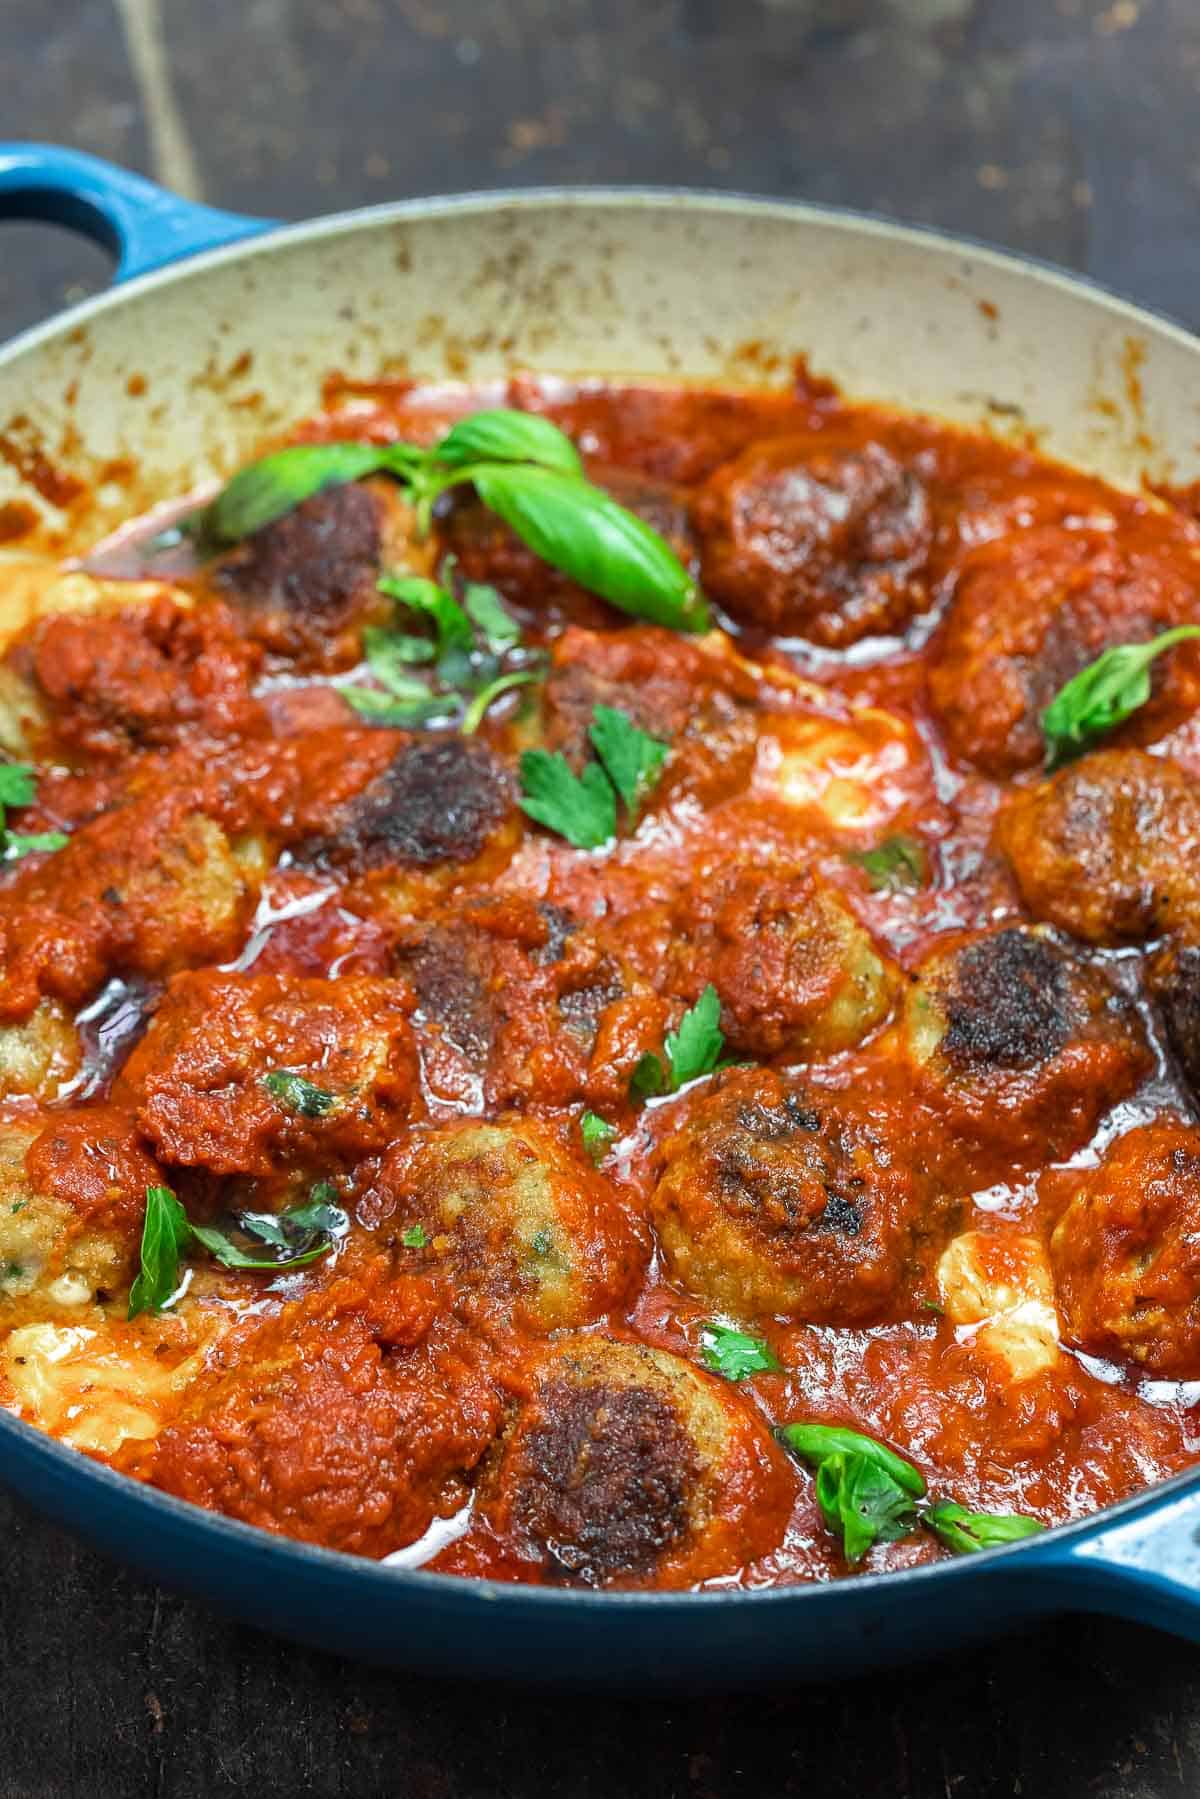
column 1109, row 848
column 814, row 537
column 525, row 1228
column 627, row 1467
column 1029, row 612
column 1126, row 1252
column 777, row 1197
column 1174, row 980
column 438, row 801
column 1020, row 1046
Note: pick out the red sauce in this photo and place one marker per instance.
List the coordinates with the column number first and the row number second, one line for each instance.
column 909, row 1194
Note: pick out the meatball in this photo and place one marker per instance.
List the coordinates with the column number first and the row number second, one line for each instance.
column 627, row 1467
column 1109, row 848
column 438, row 801
column 1174, row 981
column 523, row 1227
column 796, row 972
column 1029, row 612
column 351, row 1418
column 520, row 998
column 815, row 537
column 783, row 1198
column 1019, row 1045
column 254, row 1074
column 1126, row 1253
column 39, row 1055
column 67, row 1241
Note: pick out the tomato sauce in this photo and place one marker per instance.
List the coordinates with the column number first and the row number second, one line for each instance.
column 946, row 1181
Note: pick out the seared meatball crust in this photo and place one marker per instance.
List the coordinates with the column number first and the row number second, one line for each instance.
column 625, row 1466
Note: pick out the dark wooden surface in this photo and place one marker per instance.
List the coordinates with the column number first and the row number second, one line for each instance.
column 1067, row 128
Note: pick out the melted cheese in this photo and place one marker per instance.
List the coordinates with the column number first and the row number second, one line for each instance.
column 844, row 771
column 92, row 1387
column 1000, row 1289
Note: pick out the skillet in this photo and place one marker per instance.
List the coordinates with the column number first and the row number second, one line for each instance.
column 169, row 381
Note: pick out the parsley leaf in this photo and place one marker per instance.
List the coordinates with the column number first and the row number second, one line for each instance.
column 897, row 865
column 19, row 843
column 633, row 760
column 967, row 1532
column 421, row 595
column 597, row 1134
column 18, row 784
column 1104, row 694
column 734, row 1354
column 475, row 713
column 648, row 1078
column 18, row 787
column 298, row 1094
column 389, row 656
column 581, row 808
column 695, row 1048
column 165, row 1236
column 386, row 709
column 483, row 606
column 414, row 1237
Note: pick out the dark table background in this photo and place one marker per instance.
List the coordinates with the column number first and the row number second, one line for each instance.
column 1066, row 128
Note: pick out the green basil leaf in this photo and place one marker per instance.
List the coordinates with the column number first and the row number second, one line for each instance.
column 165, row 1236
column 18, row 843
column 501, row 434
column 861, row 1503
column 581, row 530
column 648, row 1078
column 225, row 1251
column 968, row 1532
column 632, row 758
column 814, row 1442
column 734, row 1354
column 1104, row 694
column 484, row 608
column 475, row 713
column 581, row 808
column 265, row 490
column 18, row 784
column 414, row 1237
column 453, row 627
column 297, row 1093
column 597, row 1135
column 695, row 1048
column 897, row 865
column 385, row 709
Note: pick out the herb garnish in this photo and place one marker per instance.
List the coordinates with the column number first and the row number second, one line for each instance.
column 693, row 1050
column 522, row 467
column 414, row 1237
column 868, row 1494
column 897, row 865
column 18, row 787
column 297, row 1093
column 1104, row 694
column 597, row 1134
column 299, row 1236
column 735, row 1354
column 583, row 808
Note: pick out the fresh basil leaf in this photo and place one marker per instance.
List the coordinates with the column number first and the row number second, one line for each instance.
column 501, row 434
column 967, row 1532
column 861, row 1503
column 581, row 808
column 316, row 1215
column 597, row 1134
column 225, row 1251
column 18, row 843
column 633, row 760
column 814, row 1442
column 475, row 713
column 734, row 1354
column 648, row 1078
column 414, row 1237
column 165, row 1236
column 265, row 490
column 483, row 607
column 421, row 595
column 298, row 1094
column 385, row 709
column 897, row 865
column 18, row 784
column 582, row 531
column 695, row 1048
column 1104, row 694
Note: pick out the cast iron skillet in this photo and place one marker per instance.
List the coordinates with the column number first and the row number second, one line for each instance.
column 233, row 345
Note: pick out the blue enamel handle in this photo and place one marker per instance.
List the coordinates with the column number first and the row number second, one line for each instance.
column 1145, row 1567
column 144, row 226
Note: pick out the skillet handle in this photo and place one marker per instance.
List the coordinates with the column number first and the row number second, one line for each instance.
column 1146, row 1568
column 144, row 226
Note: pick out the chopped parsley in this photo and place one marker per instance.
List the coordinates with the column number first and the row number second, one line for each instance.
column 414, row 1237
column 18, row 787
column 897, row 865
column 691, row 1051
column 597, row 1135
column 734, row 1354
column 581, row 808
column 632, row 759
column 298, row 1094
